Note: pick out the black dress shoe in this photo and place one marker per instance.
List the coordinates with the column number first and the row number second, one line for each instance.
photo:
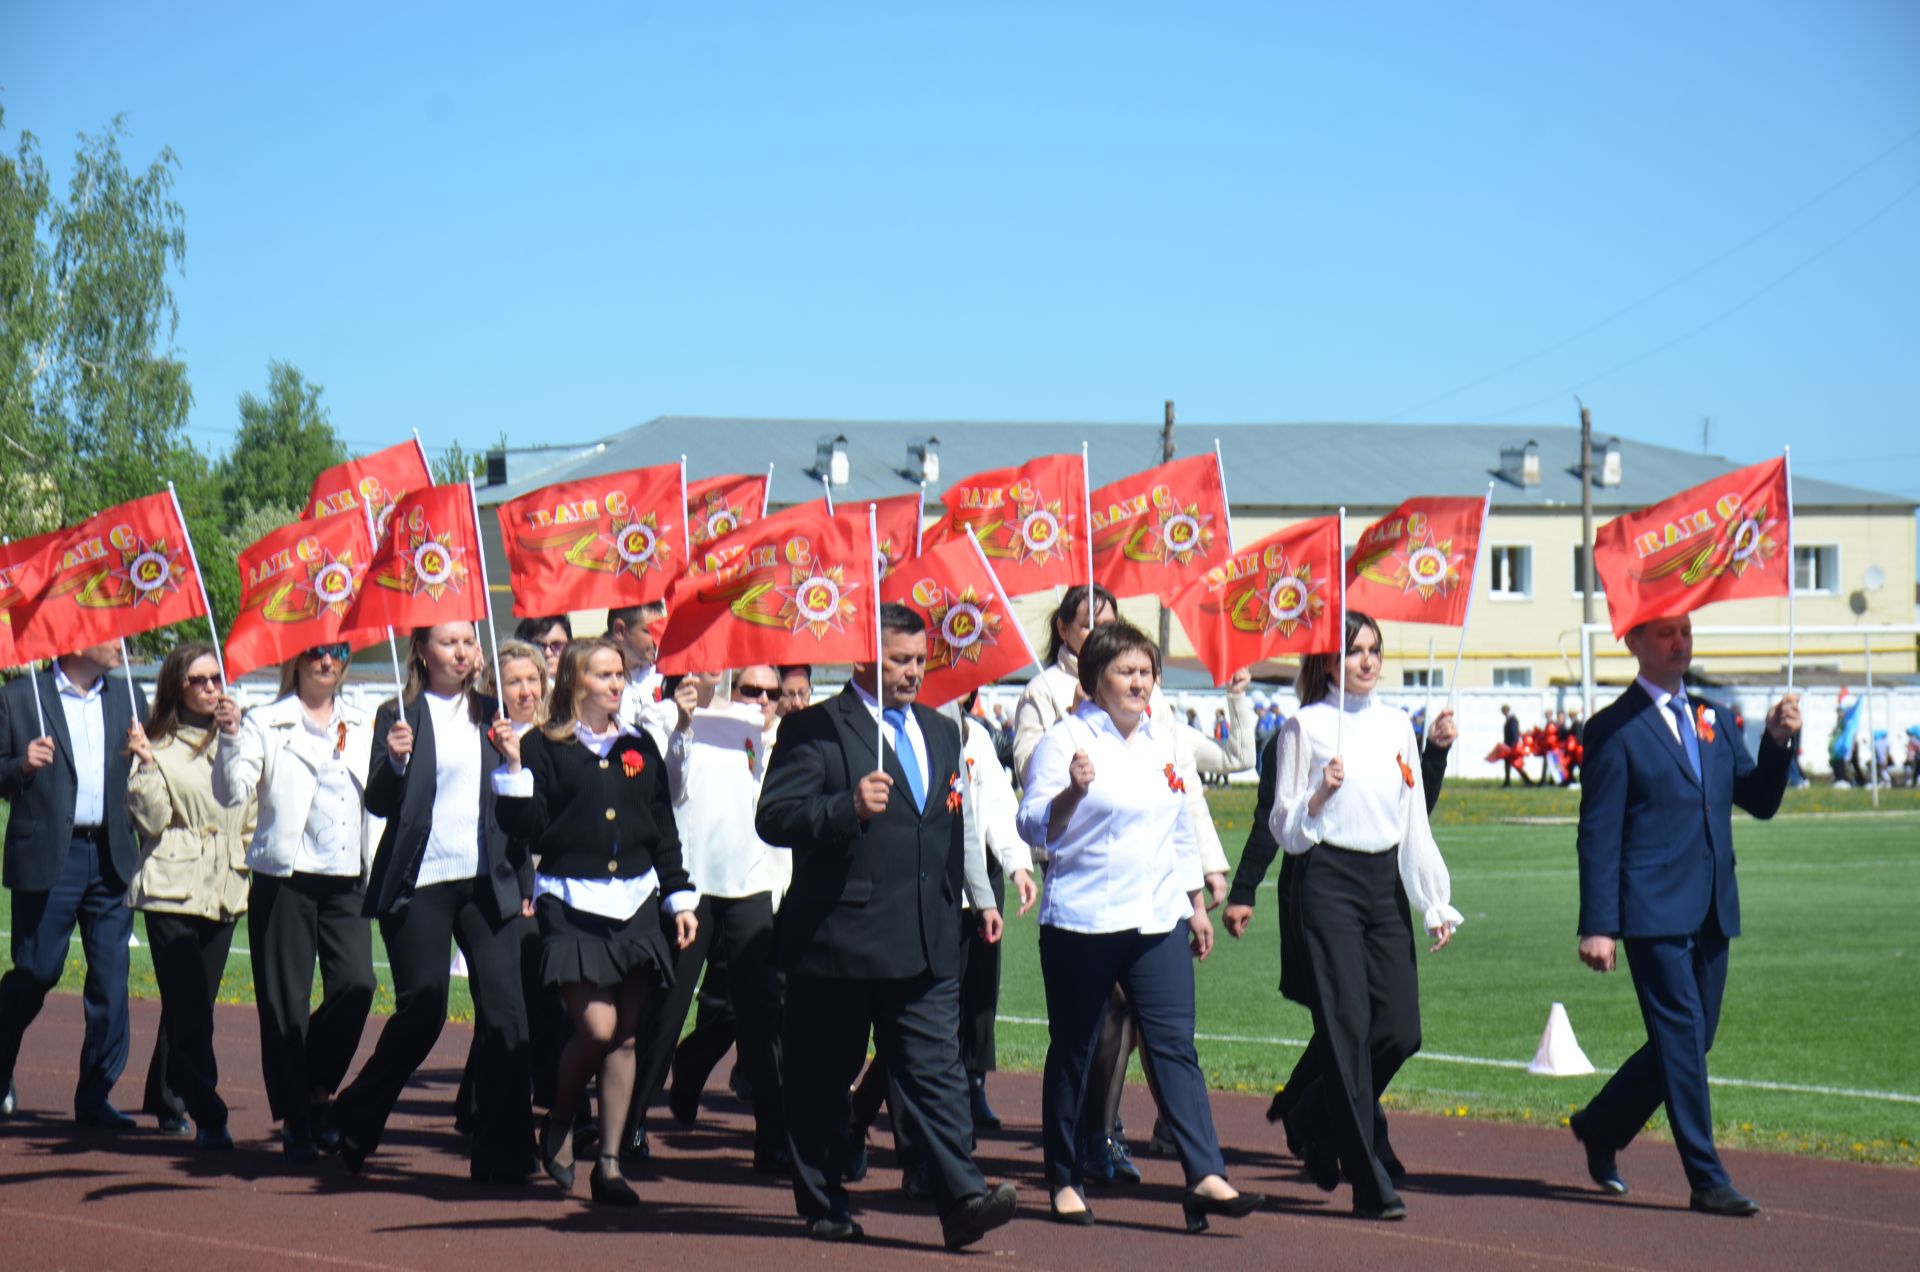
column 1099, row 1160
column 636, row 1151
column 838, row 1228
column 984, row 1118
column 1160, row 1143
column 352, row 1156
column 558, row 1171
column 104, row 1117
column 1391, row 1209
column 1081, row 1218
column 1197, row 1206
column 609, row 1189
column 1723, row 1200
column 975, row 1217
column 176, row 1125
column 1277, row 1107
column 1321, row 1163
column 213, row 1138
column 1600, row 1161
column 298, row 1146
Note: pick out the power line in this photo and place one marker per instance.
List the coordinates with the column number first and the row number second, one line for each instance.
column 1657, row 292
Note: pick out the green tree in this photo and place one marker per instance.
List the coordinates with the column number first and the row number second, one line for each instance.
column 285, row 441
column 457, row 463
column 28, row 435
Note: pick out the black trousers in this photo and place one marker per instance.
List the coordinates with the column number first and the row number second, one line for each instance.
column 713, row 1033
column 916, row 1027
column 1080, row 971
column 980, row 983
column 419, row 940
column 189, row 960
column 304, row 1050
column 743, row 928
column 1359, row 941
column 90, row 896
column 547, row 1028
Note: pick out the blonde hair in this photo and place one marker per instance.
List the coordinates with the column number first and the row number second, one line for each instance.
column 509, row 651
column 569, row 686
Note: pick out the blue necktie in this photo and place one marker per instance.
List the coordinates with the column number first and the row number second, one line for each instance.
column 909, row 758
column 1678, row 706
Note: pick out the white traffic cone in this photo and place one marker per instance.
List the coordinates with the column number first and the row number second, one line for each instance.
column 459, row 968
column 1559, row 1055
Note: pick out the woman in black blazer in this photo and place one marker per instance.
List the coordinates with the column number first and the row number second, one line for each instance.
column 443, row 872
column 589, row 796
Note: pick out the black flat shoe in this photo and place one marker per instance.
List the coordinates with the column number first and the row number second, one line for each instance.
column 104, row 1117
column 215, row 1139
column 1124, row 1171
column 175, row 1125
column 836, row 1230
column 975, row 1217
column 1320, row 1162
column 984, row 1118
column 1390, row 1210
column 1197, row 1207
column 1081, row 1218
column 558, row 1171
column 1601, row 1167
column 1724, row 1200
column 610, row 1190
column 1099, row 1155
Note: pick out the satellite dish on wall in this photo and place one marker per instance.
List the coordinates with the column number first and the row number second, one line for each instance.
column 1876, row 578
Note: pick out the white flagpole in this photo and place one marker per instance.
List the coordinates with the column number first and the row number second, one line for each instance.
column 393, row 646
column 1466, row 619
column 126, row 664
column 919, row 518
column 766, row 495
column 1792, row 566
column 486, row 594
column 421, row 447
column 879, row 639
column 1000, row 590
column 686, row 517
column 218, row 660
column 1340, row 568
column 1426, row 734
column 1221, row 465
column 1086, row 528
column 826, row 488
column 33, row 674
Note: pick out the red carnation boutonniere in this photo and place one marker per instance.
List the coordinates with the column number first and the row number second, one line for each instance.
column 1406, row 774
column 1703, row 722
column 954, row 798
column 1174, row 782
column 753, row 760
column 633, row 763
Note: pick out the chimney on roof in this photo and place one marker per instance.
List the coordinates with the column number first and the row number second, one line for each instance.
column 923, row 461
column 1521, row 464
column 496, row 468
column 830, row 460
column 1610, row 463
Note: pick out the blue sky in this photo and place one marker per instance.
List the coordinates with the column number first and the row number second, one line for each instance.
column 558, row 222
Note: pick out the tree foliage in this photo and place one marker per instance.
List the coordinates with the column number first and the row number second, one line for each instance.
column 285, row 441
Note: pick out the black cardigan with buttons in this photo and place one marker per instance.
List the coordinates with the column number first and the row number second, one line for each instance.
column 590, row 818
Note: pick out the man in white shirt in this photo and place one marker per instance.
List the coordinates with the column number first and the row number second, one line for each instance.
column 627, row 628
column 69, row 853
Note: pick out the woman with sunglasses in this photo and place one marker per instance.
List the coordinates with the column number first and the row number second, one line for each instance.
column 191, row 885
column 549, row 635
column 444, row 875
column 304, row 757
column 589, row 795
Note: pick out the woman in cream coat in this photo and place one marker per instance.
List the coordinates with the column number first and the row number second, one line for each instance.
column 305, row 756
column 191, row 885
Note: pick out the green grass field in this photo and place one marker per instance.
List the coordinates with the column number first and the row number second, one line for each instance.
column 1822, row 992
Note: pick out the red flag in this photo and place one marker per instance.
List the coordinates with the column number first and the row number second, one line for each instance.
column 797, row 589
column 607, row 541
column 973, row 637
column 20, row 565
column 426, row 569
column 296, row 586
column 718, row 506
column 1278, row 596
column 897, row 518
column 1415, row 565
column 123, row 571
column 1719, row 541
column 1028, row 520
column 1154, row 532
column 378, row 481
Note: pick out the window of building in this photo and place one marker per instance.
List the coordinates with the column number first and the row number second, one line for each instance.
column 1513, row 677
column 1416, row 678
column 1816, row 569
column 1579, row 558
column 1510, row 571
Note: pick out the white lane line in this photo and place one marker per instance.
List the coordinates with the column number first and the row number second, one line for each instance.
column 1447, row 1057
column 233, row 951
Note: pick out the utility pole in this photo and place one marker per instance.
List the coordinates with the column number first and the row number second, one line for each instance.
column 1166, row 454
column 1586, row 512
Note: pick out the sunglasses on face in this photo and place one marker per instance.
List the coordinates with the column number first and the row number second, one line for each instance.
column 762, row 693
column 340, row 653
column 553, row 646
column 204, row 682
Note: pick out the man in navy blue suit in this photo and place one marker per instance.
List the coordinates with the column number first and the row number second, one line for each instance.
column 1661, row 777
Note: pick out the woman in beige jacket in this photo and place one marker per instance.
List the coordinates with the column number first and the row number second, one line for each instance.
column 191, row 885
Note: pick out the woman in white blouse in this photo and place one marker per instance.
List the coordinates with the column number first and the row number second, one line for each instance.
column 1348, row 803
column 305, row 756
column 1124, row 901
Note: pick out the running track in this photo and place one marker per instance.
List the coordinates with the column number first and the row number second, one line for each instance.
column 1484, row 1197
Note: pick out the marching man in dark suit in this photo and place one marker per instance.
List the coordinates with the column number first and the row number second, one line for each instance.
column 869, row 936
column 1656, row 874
column 70, row 853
